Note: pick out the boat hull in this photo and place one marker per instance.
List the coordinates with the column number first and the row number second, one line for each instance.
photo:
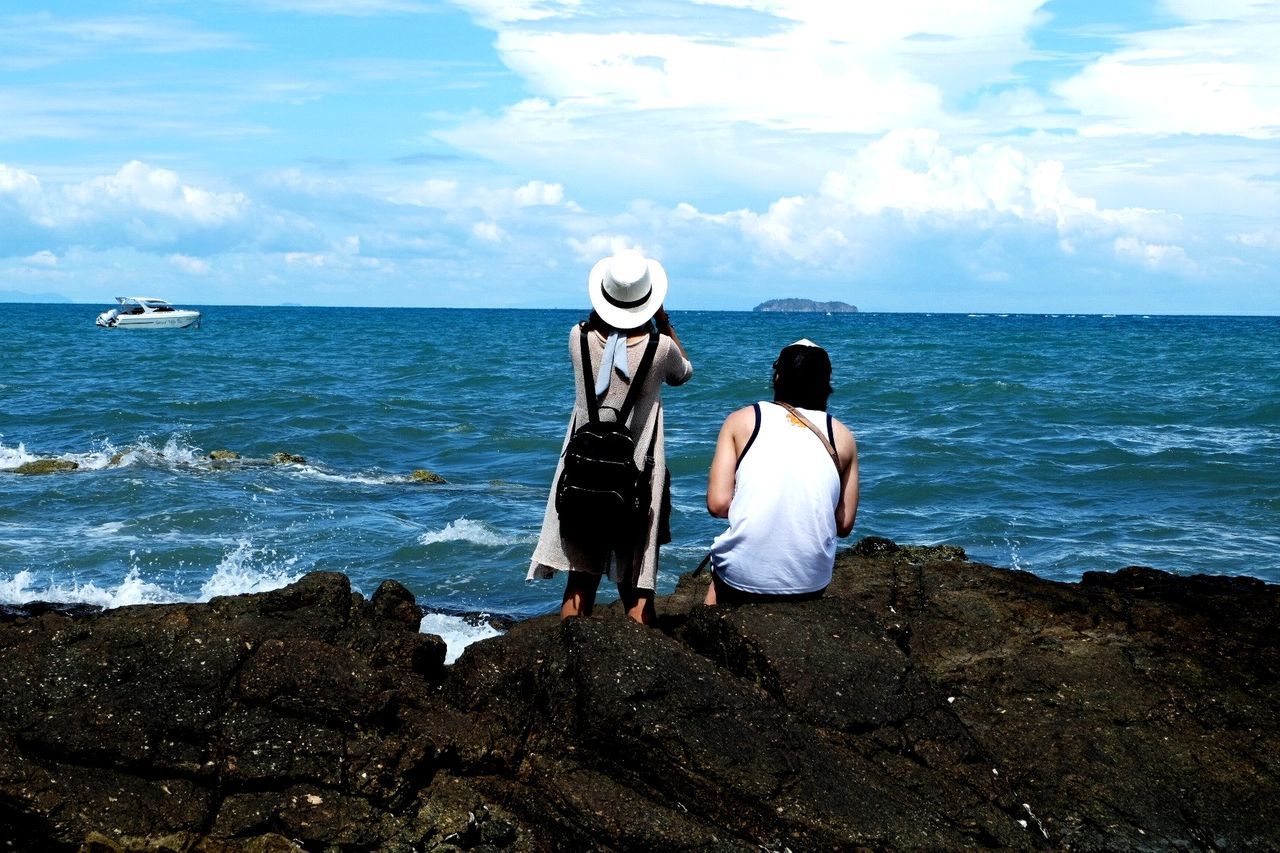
column 155, row 320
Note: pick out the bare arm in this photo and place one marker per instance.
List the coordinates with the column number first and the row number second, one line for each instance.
column 734, row 435
column 665, row 327
column 847, row 508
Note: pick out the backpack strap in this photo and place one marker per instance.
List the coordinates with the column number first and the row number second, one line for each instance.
column 588, row 382
column 637, row 381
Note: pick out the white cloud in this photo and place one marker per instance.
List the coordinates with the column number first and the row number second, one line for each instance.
column 189, row 265
column 597, row 246
column 908, row 180
column 43, row 258
column 1154, row 256
column 799, row 64
column 490, row 232
column 1263, row 238
column 1219, row 74
column 139, row 187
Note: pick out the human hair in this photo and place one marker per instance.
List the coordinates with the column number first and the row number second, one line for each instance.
column 802, row 377
column 596, row 323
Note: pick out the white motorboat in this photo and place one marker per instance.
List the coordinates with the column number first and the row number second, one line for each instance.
column 147, row 312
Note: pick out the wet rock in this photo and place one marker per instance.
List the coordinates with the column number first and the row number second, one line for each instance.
column 422, row 475
column 925, row 703
column 282, row 458
column 9, row 612
column 224, row 455
column 45, row 466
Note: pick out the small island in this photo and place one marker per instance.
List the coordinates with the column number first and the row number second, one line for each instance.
column 807, row 306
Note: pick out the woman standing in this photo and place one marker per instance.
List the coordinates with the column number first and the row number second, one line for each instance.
column 627, row 291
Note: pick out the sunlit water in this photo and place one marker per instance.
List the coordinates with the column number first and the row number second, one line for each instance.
column 1054, row 444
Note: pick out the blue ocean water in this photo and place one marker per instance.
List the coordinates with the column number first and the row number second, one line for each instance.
column 1056, row 444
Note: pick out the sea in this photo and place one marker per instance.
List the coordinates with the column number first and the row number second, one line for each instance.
column 1055, row 444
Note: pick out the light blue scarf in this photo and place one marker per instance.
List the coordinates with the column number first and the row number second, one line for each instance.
column 615, row 356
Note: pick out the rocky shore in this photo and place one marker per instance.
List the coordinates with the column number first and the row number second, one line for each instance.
column 926, row 702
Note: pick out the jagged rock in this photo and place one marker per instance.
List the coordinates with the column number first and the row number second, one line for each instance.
column 46, row 466
column 422, row 475
column 116, row 459
column 9, row 612
column 282, row 458
column 224, row 455
column 925, row 702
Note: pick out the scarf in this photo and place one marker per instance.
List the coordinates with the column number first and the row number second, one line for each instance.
column 615, row 356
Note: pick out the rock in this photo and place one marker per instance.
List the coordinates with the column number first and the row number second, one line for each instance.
column 924, row 702
column 422, row 475
column 9, row 612
column 282, row 458
column 224, row 455
column 807, row 306
column 45, row 466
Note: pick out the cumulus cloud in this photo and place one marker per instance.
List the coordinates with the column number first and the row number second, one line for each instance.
column 139, row 187
column 908, row 180
column 1217, row 74
column 189, row 265
column 670, row 92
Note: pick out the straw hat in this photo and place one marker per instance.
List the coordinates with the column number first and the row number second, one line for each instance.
column 627, row 289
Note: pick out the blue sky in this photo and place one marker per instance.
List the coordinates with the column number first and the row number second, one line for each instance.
column 922, row 155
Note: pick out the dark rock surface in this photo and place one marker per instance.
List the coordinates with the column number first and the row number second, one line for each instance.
column 926, row 702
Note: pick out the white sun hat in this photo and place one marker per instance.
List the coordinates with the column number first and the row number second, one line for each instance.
column 627, row 288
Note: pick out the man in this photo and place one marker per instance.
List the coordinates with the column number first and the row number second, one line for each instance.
column 785, row 474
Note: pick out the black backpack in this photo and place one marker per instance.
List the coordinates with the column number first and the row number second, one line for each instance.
column 602, row 497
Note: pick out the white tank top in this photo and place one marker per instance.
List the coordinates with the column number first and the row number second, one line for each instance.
column 782, row 519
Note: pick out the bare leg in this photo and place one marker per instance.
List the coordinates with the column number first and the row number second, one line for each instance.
column 579, row 594
column 638, row 603
column 710, row 600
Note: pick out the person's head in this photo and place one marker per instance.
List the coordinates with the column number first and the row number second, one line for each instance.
column 802, row 375
column 627, row 289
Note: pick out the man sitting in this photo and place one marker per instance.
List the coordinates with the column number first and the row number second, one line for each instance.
column 785, row 474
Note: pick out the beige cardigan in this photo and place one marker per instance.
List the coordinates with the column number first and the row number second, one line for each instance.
column 554, row 553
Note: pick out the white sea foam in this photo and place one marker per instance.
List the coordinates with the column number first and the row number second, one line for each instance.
column 249, row 569
column 361, row 479
column 466, row 530
column 245, row 569
column 457, row 632
column 22, row 587
column 12, row 457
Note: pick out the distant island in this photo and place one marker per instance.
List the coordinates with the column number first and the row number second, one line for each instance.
column 807, row 305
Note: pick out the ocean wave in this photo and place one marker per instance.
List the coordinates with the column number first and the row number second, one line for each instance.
column 458, row 632
column 245, row 569
column 238, row 572
column 132, row 589
column 474, row 532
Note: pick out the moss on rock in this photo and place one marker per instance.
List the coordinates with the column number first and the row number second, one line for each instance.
column 46, row 466
column 422, row 475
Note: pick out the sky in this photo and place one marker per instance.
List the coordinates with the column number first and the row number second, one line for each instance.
column 919, row 155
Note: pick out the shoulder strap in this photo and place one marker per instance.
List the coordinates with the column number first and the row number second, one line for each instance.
column 637, row 381
column 831, row 450
column 588, row 382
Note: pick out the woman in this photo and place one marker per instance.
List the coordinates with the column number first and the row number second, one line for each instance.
column 627, row 291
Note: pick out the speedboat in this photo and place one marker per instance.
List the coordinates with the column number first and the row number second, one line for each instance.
column 147, row 312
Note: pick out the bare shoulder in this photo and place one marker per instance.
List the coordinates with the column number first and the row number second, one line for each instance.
column 845, row 442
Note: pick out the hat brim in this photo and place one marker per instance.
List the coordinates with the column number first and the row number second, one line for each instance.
column 627, row 318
